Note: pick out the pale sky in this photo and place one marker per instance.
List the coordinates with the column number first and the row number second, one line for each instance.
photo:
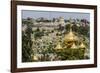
column 52, row 14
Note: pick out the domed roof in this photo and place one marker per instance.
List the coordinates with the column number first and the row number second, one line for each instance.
column 82, row 46
column 58, row 47
column 70, row 36
column 74, row 46
column 35, row 57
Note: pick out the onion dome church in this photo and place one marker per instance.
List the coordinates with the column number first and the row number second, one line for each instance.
column 71, row 41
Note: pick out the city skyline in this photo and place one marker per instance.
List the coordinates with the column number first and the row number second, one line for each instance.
column 54, row 14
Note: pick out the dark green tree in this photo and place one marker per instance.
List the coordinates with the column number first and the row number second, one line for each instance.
column 27, row 44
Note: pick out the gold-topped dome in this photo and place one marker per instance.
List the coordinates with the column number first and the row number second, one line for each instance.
column 35, row 57
column 74, row 46
column 70, row 36
column 82, row 45
column 58, row 47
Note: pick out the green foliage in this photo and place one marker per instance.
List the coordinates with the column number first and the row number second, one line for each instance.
column 71, row 54
column 27, row 45
column 84, row 31
column 38, row 33
column 67, row 27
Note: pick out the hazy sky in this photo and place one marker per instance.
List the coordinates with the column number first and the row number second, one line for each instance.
column 51, row 14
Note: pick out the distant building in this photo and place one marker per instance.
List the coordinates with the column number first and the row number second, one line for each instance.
column 61, row 21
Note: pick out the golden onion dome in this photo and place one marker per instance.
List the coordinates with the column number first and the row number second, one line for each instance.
column 35, row 57
column 82, row 46
column 58, row 47
column 70, row 36
column 74, row 46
